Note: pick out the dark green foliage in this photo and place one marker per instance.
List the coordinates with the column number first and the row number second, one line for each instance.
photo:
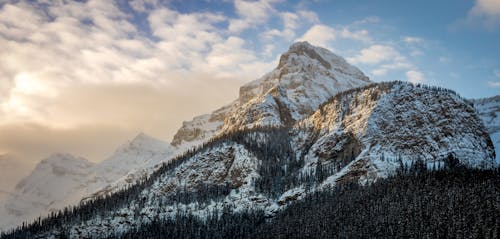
column 460, row 203
column 444, row 204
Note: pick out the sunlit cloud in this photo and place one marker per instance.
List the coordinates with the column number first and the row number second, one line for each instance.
column 484, row 14
column 415, row 76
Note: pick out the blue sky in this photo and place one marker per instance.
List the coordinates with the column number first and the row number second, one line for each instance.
column 106, row 70
column 451, row 47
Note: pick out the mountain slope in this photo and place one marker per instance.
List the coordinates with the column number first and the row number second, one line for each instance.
column 62, row 179
column 489, row 111
column 48, row 188
column 359, row 135
column 311, row 124
column 305, row 77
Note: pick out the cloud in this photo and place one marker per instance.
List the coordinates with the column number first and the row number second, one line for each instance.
column 490, row 8
column 323, row 35
column 494, row 83
column 251, row 14
column 375, row 54
column 497, row 73
column 484, row 14
column 367, row 20
column 291, row 21
column 143, row 5
column 398, row 63
column 415, row 76
column 74, row 65
column 413, row 40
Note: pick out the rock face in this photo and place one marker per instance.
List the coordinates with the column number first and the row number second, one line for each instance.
column 200, row 128
column 306, row 77
column 359, row 135
column 489, row 111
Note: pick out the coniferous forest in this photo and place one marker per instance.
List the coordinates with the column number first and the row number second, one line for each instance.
column 416, row 203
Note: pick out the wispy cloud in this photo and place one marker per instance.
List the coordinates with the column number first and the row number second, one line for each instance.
column 324, row 35
column 375, row 54
column 413, row 40
column 494, row 83
column 484, row 14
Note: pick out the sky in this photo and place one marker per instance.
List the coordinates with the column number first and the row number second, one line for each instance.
column 83, row 77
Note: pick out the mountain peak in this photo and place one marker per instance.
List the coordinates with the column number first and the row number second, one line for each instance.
column 142, row 137
column 305, row 49
column 58, row 157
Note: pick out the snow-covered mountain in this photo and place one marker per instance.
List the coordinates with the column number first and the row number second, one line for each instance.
column 48, row 188
column 489, row 111
column 62, row 179
column 12, row 169
column 359, row 135
column 305, row 77
column 313, row 122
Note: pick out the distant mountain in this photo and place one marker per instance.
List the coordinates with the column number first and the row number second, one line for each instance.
column 63, row 179
column 12, row 169
column 49, row 187
column 489, row 111
column 312, row 124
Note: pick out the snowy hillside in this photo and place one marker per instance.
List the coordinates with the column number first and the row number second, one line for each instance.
column 63, row 179
column 359, row 135
column 13, row 169
column 54, row 182
column 310, row 124
column 305, row 77
column 489, row 111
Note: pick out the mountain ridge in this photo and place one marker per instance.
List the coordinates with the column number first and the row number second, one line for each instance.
column 333, row 113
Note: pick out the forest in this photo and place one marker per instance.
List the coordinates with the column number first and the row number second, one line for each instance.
column 454, row 202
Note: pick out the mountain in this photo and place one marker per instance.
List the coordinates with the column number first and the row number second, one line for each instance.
column 62, row 179
column 360, row 135
column 12, row 169
column 305, row 77
column 489, row 111
column 313, row 123
column 48, row 188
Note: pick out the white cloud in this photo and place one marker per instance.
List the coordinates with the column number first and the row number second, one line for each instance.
column 291, row 21
column 484, row 13
column 320, row 35
column 68, row 45
column 415, row 76
column 143, row 5
column 375, row 54
column 494, row 83
column 251, row 14
column 309, row 16
column 489, row 8
column 367, row 20
column 413, row 40
column 379, row 71
column 323, row 35
column 398, row 63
